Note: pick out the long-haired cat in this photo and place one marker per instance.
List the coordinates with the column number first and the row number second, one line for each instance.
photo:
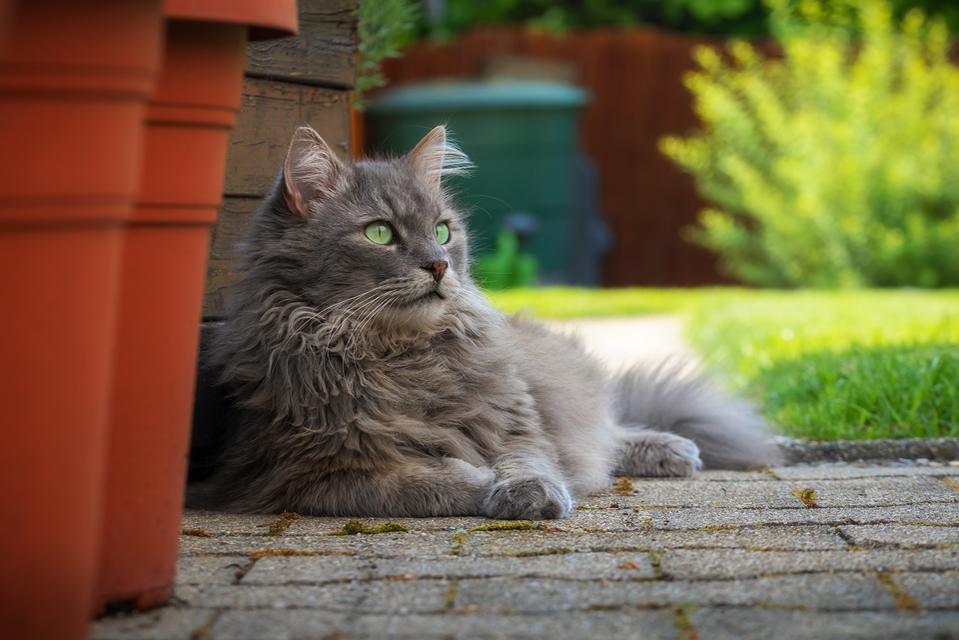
column 374, row 379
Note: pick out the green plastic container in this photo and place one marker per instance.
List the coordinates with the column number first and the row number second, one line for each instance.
column 522, row 138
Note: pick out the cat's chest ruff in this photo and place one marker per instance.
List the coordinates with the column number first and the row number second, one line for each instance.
column 426, row 376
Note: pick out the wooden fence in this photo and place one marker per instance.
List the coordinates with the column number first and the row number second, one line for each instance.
column 635, row 80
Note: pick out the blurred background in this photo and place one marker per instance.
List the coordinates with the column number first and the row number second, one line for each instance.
column 820, row 137
column 802, row 155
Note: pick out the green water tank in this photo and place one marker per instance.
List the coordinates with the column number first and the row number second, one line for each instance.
column 522, row 138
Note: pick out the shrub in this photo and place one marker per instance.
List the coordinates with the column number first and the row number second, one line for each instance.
column 383, row 28
column 836, row 165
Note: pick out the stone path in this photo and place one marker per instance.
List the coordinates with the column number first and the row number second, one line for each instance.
column 722, row 555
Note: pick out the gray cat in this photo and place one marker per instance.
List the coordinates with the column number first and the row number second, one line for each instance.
column 375, row 380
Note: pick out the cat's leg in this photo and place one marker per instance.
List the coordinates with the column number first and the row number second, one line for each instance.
column 412, row 488
column 530, row 484
column 646, row 452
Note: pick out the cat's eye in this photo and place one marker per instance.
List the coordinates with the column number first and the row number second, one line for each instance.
column 379, row 232
column 442, row 233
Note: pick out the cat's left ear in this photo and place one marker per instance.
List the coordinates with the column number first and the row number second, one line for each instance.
column 435, row 157
column 311, row 171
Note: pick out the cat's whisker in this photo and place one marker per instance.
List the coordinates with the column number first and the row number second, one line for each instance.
column 302, row 316
column 343, row 320
column 347, row 300
column 374, row 313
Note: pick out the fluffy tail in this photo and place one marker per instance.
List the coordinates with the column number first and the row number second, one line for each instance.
column 675, row 396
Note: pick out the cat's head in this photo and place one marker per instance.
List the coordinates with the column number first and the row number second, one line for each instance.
column 378, row 241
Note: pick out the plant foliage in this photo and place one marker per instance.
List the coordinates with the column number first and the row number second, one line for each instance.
column 836, row 165
column 383, row 29
column 720, row 17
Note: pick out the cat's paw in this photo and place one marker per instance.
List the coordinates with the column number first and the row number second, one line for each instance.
column 659, row 454
column 528, row 499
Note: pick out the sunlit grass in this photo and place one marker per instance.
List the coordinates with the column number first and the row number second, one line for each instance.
column 573, row 302
column 861, row 393
column 822, row 364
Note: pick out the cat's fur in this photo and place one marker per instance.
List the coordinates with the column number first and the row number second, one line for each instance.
column 373, row 382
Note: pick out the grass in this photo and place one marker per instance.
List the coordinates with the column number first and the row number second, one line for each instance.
column 822, row 364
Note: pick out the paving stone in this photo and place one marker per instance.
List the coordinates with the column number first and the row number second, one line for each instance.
column 839, row 591
column 383, row 544
column 856, row 492
column 592, row 520
column 579, row 566
column 684, row 519
column 932, row 590
column 290, row 624
column 209, row 570
column 904, row 536
column 856, row 451
column 218, row 523
column 168, row 623
column 847, row 471
column 725, row 564
column 527, row 542
column 311, row 624
column 309, row 570
column 417, row 596
column 697, row 493
column 878, row 492
column 762, row 624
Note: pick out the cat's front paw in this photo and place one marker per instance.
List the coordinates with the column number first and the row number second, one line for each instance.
column 659, row 454
column 528, row 499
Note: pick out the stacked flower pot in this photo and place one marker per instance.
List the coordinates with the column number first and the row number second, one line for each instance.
column 114, row 116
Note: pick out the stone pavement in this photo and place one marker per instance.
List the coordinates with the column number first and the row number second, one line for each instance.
column 721, row 555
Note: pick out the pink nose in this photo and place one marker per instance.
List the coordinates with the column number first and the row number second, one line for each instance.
column 437, row 269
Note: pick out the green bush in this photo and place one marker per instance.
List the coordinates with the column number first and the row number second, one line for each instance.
column 383, row 28
column 836, row 165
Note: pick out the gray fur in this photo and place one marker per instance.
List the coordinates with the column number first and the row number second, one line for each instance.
column 371, row 387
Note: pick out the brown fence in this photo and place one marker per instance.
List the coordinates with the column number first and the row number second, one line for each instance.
column 635, row 79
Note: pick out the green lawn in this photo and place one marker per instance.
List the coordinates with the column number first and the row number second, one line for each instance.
column 822, row 364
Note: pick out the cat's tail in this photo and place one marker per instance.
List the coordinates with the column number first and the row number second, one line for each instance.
column 675, row 396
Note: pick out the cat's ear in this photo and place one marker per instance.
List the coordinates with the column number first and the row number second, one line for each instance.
column 311, row 171
column 435, row 157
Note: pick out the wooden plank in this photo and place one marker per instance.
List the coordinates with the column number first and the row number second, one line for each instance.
column 324, row 52
column 233, row 222
column 270, row 113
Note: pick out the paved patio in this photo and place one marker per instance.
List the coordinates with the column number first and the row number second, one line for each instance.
column 873, row 552
column 723, row 555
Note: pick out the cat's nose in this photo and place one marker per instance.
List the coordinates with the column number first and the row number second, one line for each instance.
column 437, row 269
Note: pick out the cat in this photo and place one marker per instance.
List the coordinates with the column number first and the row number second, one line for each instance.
column 374, row 379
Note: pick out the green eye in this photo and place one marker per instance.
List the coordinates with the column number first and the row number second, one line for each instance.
column 379, row 232
column 442, row 233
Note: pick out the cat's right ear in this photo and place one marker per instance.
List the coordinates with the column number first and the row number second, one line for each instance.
column 311, row 172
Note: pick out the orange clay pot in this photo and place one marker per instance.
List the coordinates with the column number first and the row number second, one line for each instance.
column 163, row 262
column 74, row 80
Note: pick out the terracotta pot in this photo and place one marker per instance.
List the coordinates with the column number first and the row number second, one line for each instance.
column 164, row 257
column 266, row 19
column 74, row 80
